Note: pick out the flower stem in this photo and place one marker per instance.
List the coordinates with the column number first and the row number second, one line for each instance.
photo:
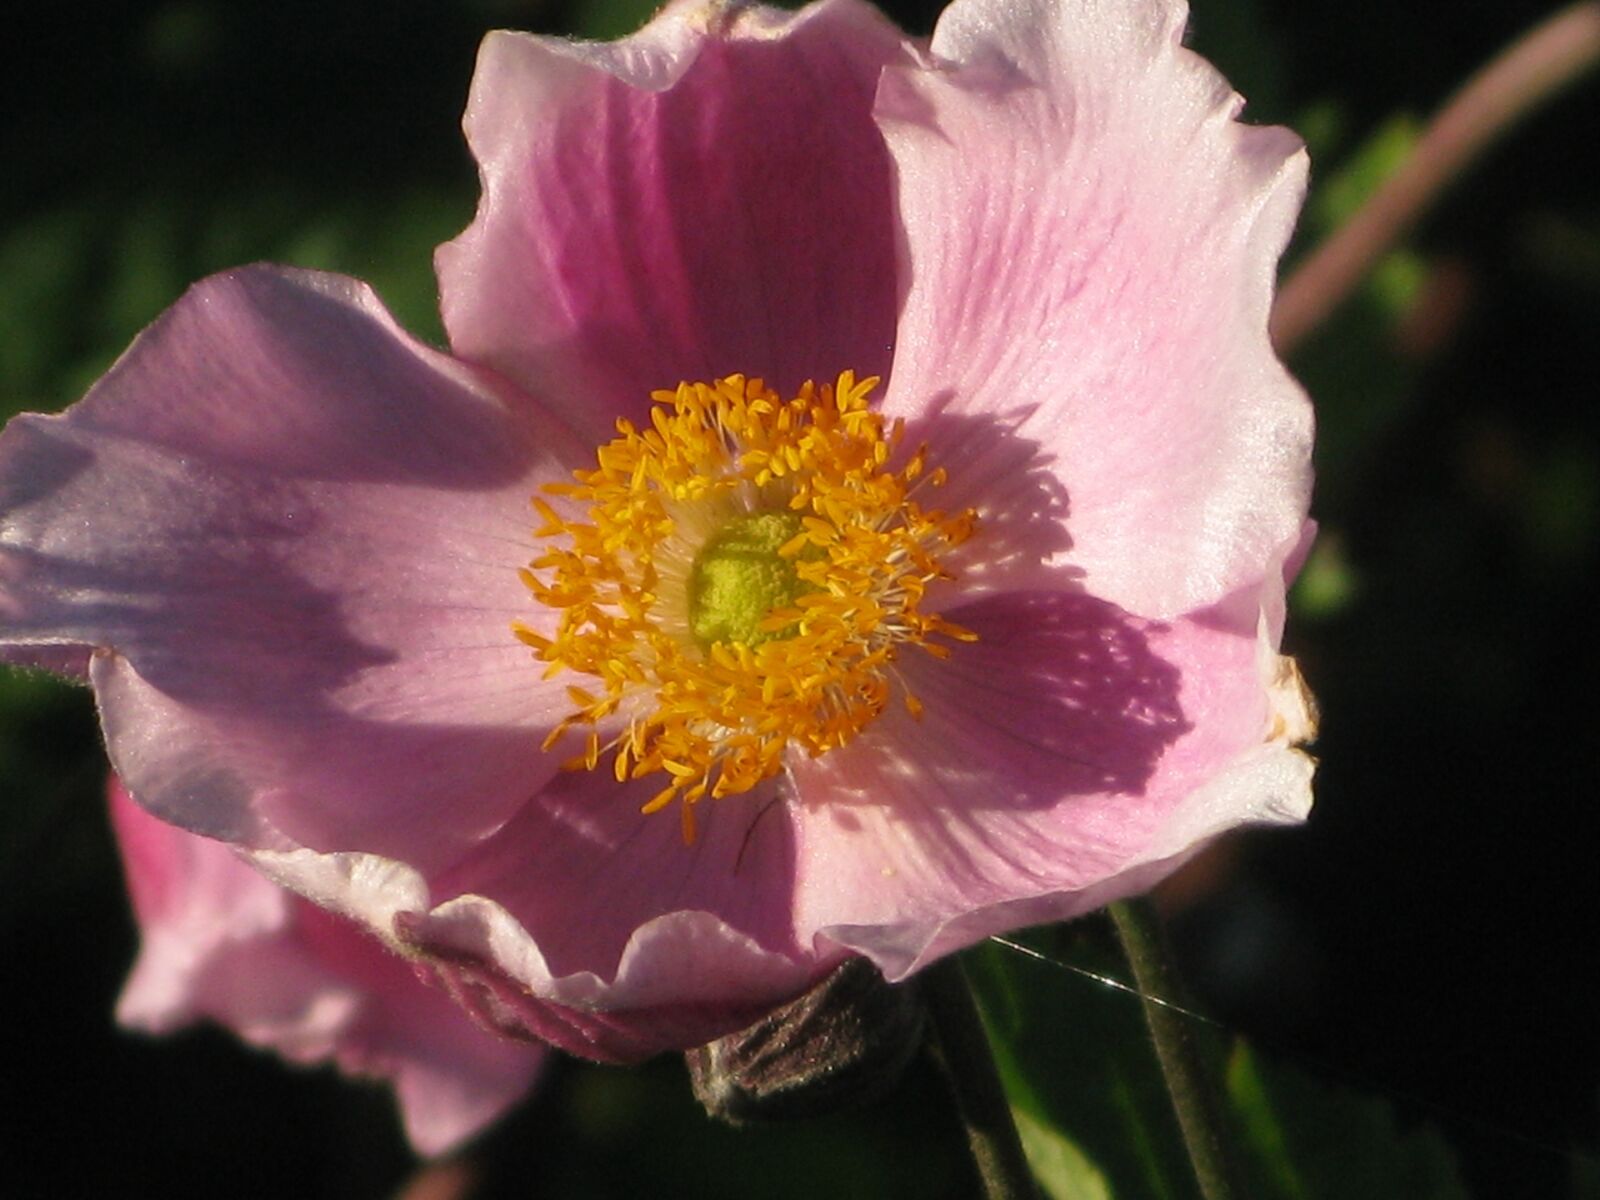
column 961, row 1048
column 1524, row 75
column 1191, row 1080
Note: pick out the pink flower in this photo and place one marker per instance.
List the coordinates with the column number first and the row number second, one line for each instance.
column 219, row 942
column 889, row 701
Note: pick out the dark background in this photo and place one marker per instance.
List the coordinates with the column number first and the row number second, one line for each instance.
column 1429, row 937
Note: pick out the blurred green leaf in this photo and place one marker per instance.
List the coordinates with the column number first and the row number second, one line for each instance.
column 1563, row 249
column 1560, row 507
column 1085, row 1070
column 1362, row 385
column 46, row 262
column 1309, row 1141
column 603, row 20
column 1327, row 585
column 1337, row 197
column 1096, row 1122
column 82, row 281
column 1585, row 1178
column 1063, row 1171
column 877, row 1152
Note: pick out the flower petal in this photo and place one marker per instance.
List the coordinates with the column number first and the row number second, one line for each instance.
column 1091, row 239
column 708, row 196
column 290, row 535
column 220, row 942
column 590, row 925
column 1072, row 755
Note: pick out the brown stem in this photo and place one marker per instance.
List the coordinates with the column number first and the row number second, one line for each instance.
column 1528, row 72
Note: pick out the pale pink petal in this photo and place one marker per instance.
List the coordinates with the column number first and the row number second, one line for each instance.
column 1091, row 239
column 290, row 535
column 582, row 868
column 1072, row 755
column 194, row 899
column 705, row 197
column 588, row 924
column 220, row 942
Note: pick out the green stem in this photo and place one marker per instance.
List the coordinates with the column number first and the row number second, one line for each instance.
column 961, row 1047
column 1191, row 1080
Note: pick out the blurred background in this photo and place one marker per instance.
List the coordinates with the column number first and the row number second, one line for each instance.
column 1428, row 943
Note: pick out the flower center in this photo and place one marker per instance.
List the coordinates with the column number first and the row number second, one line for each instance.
column 738, row 577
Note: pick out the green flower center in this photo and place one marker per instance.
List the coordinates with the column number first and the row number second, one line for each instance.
column 739, row 577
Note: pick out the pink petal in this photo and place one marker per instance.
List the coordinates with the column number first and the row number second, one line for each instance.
column 707, row 196
column 290, row 534
column 1091, row 239
column 587, row 924
column 581, row 869
column 222, row 943
column 1072, row 755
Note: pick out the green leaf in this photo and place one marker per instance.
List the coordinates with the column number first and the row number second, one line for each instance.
column 1062, row 1169
column 1363, row 385
column 1095, row 1120
column 1341, row 194
column 1076, row 1059
column 1328, row 584
column 1585, row 1177
column 605, row 20
column 1310, row 1141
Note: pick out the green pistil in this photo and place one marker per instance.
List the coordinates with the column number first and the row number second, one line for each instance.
column 739, row 577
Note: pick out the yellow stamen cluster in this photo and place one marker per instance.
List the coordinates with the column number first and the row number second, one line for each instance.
column 627, row 580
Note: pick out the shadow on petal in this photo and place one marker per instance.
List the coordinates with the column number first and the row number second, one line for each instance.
column 1010, row 480
column 304, row 375
column 501, row 1004
column 658, row 236
column 581, row 868
column 1061, row 695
